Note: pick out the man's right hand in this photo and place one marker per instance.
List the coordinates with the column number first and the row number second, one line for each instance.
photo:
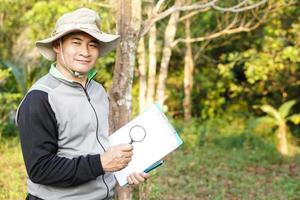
column 116, row 157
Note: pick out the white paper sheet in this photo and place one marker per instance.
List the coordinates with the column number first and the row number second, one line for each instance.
column 161, row 139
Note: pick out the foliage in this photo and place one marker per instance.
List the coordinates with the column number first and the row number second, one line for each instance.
column 7, row 112
column 279, row 117
column 253, row 68
column 282, row 113
column 3, row 75
column 238, row 128
column 20, row 63
column 9, row 102
column 10, row 24
column 267, row 68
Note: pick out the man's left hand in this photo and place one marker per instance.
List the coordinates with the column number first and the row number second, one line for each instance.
column 136, row 178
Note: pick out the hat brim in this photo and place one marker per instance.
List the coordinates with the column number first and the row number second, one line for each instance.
column 108, row 42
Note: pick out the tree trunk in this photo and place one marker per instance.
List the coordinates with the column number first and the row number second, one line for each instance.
column 282, row 139
column 188, row 73
column 167, row 51
column 128, row 25
column 152, row 65
column 142, row 74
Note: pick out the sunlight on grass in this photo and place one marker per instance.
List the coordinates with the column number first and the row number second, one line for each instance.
column 220, row 172
column 12, row 170
column 211, row 171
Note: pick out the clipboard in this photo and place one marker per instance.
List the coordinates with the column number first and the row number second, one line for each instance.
column 161, row 139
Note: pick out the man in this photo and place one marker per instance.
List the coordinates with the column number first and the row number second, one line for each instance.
column 63, row 119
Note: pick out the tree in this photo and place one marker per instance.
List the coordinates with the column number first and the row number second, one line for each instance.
column 234, row 27
column 128, row 24
column 279, row 117
column 188, row 74
column 169, row 37
column 232, row 21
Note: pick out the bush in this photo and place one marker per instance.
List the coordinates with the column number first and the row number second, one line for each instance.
column 231, row 131
column 10, row 103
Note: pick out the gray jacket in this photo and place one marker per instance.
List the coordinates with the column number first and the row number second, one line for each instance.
column 63, row 130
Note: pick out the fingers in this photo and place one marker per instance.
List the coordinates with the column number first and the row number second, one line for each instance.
column 129, row 180
column 127, row 160
column 145, row 175
column 116, row 157
column 133, row 180
column 126, row 150
column 125, row 147
column 128, row 154
column 136, row 178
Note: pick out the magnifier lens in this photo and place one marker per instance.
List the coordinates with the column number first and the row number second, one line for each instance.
column 137, row 134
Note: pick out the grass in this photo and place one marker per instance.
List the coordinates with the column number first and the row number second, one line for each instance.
column 12, row 170
column 219, row 169
column 215, row 172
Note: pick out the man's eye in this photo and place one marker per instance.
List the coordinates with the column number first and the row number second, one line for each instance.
column 76, row 43
column 93, row 45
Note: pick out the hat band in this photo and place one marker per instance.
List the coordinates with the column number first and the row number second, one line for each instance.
column 67, row 27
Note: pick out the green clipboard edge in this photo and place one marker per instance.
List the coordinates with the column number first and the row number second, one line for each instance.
column 179, row 140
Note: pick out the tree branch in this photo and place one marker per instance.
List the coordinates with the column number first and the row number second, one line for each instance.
column 230, row 29
column 157, row 6
column 238, row 8
column 191, row 14
column 146, row 25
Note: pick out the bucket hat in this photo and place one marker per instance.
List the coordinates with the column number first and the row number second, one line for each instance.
column 82, row 19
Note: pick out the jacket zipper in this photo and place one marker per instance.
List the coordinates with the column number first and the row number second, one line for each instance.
column 97, row 127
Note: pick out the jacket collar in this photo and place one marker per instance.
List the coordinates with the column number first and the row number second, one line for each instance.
column 57, row 74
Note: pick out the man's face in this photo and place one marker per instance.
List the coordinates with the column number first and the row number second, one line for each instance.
column 80, row 51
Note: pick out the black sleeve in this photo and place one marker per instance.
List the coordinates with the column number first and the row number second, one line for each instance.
column 39, row 135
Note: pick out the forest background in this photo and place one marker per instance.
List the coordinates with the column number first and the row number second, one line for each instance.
column 225, row 72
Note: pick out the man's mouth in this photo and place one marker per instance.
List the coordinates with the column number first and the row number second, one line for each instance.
column 83, row 61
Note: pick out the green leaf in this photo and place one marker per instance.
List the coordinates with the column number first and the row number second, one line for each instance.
column 291, row 53
column 294, row 118
column 267, row 120
column 271, row 111
column 285, row 108
column 19, row 74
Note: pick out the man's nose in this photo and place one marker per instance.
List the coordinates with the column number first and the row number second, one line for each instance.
column 84, row 51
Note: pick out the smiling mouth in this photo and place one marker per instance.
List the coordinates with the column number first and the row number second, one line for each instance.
column 83, row 61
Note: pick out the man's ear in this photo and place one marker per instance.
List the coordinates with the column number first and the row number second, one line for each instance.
column 55, row 46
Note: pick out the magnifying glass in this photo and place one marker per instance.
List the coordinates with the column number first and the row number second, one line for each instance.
column 137, row 133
